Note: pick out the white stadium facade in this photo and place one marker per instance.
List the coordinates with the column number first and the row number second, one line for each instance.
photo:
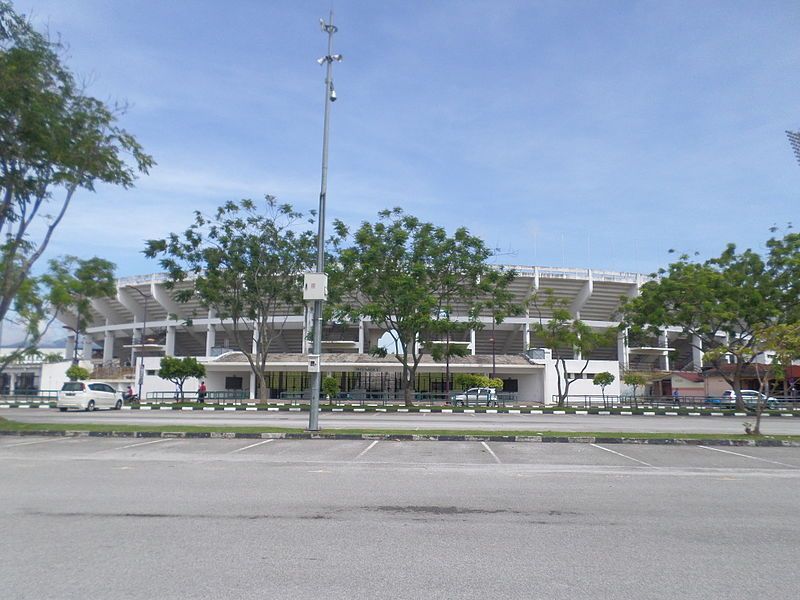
column 130, row 332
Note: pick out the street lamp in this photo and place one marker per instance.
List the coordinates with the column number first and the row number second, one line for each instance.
column 794, row 142
column 141, row 341
column 330, row 96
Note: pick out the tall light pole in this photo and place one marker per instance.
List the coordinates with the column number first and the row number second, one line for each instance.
column 141, row 341
column 330, row 96
column 794, row 142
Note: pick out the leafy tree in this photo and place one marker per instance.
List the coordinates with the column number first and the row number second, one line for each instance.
column 634, row 380
column 603, row 379
column 560, row 332
column 54, row 140
column 469, row 380
column 73, row 283
column 246, row 263
column 498, row 299
column 723, row 302
column 178, row 370
column 77, row 373
column 406, row 276
column 330, row 387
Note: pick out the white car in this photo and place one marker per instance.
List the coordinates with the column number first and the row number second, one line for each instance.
column 475, row 396
column 88, row 395
column 751, row 399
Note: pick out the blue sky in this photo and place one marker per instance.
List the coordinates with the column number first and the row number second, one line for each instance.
column 583, row 134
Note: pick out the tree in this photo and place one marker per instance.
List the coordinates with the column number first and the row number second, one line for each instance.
column 330, row 387
column 498, row 299
column 73, row 283
column 246, row 264
column 178, row 370
column 54, row 140
column 565, row 336
column 77, row 373
column 407, row 276
column 722, row 303
column 634, row 380
column 603, row 379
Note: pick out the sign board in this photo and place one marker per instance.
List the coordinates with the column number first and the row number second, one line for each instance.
column 313, row 363
column 315, row 286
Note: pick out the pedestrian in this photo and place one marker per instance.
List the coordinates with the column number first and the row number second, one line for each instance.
column 201, row 392
column 177, row 392
column 676, row 397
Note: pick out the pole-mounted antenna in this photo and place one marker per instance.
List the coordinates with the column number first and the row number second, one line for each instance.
column 316, row 351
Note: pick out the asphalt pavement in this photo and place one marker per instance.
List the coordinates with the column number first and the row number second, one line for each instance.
column 215, row 518
column 417, row 421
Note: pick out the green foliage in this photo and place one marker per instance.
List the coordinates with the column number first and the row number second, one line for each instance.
column 466, row 381
column 77, row 373
column 603, row 379
column 634, row 380
column 408, row 276
column 559, row 331
column 54, row 140
column 736, row 294
column 496, row 383
column 245, row 262
column 178, row 370
column 330, row 387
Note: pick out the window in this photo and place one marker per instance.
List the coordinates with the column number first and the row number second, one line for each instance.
column 150, row 372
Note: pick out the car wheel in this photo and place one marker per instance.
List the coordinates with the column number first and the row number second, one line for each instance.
column 118, row 405
column 63, row 409
column 90, row 406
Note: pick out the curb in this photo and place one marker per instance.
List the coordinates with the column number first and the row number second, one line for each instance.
column 251, row 407
column 411, row 437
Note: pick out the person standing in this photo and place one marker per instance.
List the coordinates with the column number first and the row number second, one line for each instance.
column 201, row 392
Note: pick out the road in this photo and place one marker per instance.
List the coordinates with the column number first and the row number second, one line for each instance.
column 213, row 518
column 412, row 421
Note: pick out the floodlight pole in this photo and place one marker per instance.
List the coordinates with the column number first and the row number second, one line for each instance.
column 330, row 96
column 794, row 142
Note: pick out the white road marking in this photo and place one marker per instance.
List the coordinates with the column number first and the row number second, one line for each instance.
column 251, row 446
column 367, row 449
column 497, row 460
column 58, row 439
column 143, row 443
column 774, row 462
column 623, row 455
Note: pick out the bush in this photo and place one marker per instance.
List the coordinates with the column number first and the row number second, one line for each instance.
column 330, row 387
column 77, row 373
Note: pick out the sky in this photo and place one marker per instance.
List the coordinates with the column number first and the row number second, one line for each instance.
column 591, row 134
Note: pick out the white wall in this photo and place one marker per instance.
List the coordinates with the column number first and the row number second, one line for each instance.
column 531, row 387
column 582, row 386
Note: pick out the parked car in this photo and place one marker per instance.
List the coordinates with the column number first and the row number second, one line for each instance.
column 88, row 395
column 751, row 399
column 476, row 396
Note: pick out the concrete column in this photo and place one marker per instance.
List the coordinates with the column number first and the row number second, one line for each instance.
column 664, row 339
column 361, row 336
column 472, row 340
column 697, row 353
column 69, row 351
column 211, row 338
column 12, row 383
column 170, row 345
column 526, row 336
column 86, row 350
column 252, row 385
column 108, row 347
column 254, row 349
column 622, row 350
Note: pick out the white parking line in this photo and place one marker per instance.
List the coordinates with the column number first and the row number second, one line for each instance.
column 251, row 446
column 623, row 455
column 774, row 462
column 497, row 460
column 367, row 449
column 59, row 439
column 143, row 443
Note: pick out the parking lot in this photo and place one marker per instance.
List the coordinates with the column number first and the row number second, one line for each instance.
column 214, row 518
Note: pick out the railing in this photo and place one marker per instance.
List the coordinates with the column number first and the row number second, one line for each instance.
column 631, row 401
column 211, row 397
column 29, row 395
column 365, row 398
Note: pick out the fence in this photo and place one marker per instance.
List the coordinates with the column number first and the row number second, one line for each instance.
column 212, row 397
column 631, row 401
column 365, row 398
column 31, row 396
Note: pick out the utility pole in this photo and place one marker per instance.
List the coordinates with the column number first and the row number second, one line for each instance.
column 330, row 96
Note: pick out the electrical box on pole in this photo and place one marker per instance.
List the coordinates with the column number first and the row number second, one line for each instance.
column 315, row 286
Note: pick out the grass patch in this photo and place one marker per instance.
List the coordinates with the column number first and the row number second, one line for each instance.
column 9, row 425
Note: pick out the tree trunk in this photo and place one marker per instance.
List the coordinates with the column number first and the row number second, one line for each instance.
column 408, row 385
column 263, row 390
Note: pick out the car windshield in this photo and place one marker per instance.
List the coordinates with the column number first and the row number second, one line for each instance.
column 72, row 386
